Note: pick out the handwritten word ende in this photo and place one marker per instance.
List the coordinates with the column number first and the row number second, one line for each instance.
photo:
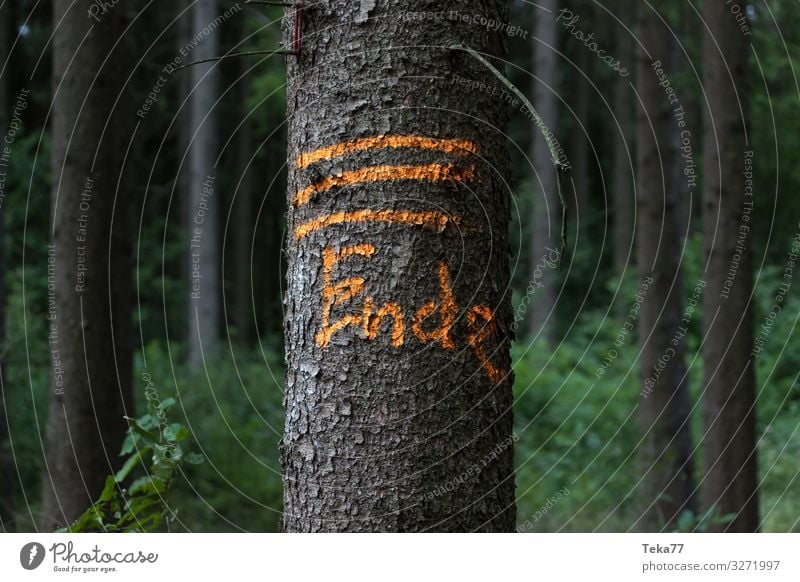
column 481, row 323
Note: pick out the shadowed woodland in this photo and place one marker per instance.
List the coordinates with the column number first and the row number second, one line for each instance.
column 399, row 266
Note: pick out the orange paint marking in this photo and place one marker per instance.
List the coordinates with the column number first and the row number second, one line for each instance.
column 430, row 219
column 431, row 172
column 372, row 320
column 449, row 146
column 481, row 321
column 479, row 334
column 342, row 291
column 447, row 313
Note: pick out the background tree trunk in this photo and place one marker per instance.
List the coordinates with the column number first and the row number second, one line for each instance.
column 6, row 457
column 581, row 142
column 204, row 252
column 665, row 452
column 729, row 449
column 624, row 153
column 398, row 394
column 90, row 337
column 244, row 316
column 545, row 214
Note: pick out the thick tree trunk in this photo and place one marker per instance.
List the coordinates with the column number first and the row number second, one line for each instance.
column 204, row 247
column 545, row 214
column 6, row 457
column 624, row 153
column 89, row 267
column 729, row 449
column 667, row 484
column 398, row 395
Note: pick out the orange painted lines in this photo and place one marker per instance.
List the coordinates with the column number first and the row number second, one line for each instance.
column 432, row 172
column 430, row 219
column 456, row 146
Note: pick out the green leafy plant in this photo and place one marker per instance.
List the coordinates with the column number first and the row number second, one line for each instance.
column 139, row 504
column 689, row 522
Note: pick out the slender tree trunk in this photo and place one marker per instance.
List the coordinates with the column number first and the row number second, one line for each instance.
column 270, row 239
column 6, row 457
column 729, row 449
column 545, row 216
column 398, row 395
column 243, row 228
column 183, row 136
column 89, row 263
column 683, row 183
column 204, row 247
column 665, row 453
column 581, row 139
column 624, row 153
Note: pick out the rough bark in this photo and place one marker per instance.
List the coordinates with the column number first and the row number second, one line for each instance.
column 729, row 449
column 665, row 453
column 6, row 457
column 203, row 247
column 89, row 265
column 398, row 393
column 545, row 216
column 624, row 152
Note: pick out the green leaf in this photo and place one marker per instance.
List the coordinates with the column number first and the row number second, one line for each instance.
column 128, row 445
column 150, row 437
column 194, row 459
column 178, row 432
column 110, row 489
column 132, row 462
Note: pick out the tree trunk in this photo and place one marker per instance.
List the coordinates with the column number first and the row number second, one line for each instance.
column 89, row 265
column 729, row 449
column 581, row 138
column 545, row 216
column 678, row 61
column 204, row 247
column 244, row 316
column 6, row 457
column 624, row 152
column 666, row 448
column 398, row 394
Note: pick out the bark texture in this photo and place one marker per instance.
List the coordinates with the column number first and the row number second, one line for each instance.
column 729, row 449
column 89, row 264
column 398, row 316
column 545, row 213
column 665, row 453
